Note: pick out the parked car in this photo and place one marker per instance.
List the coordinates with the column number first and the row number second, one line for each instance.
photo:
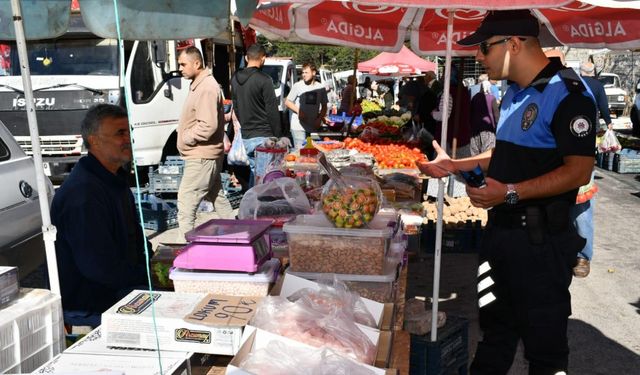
column 20, row 219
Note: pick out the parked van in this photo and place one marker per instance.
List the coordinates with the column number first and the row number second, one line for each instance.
column 282, row 71
column 20, row 218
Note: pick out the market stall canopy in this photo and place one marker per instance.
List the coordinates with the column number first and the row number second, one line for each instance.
column 404, row 62
column 386, row 25
column 138, row 19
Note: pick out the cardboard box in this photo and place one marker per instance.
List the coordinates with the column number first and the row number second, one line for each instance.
column 95, row 343
column 193, row 322
column 114, row 364
column 255, row 339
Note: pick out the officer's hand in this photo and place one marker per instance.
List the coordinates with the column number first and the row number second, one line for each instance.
column 441, row 166
column 488, row 196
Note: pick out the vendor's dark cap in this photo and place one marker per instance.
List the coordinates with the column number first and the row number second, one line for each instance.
column 504, row 22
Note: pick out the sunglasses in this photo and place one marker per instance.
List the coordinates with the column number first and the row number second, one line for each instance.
column 484, row 46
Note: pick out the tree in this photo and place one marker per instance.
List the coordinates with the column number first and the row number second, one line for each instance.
column 330, row 57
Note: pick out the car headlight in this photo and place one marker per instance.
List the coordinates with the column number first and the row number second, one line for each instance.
column 621, row 98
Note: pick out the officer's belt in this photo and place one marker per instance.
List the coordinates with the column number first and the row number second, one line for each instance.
column 553, row 217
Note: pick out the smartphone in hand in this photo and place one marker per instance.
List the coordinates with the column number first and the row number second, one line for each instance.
column 474, row 177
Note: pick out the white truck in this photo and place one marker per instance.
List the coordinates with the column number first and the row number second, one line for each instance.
column 78, row 70
column 617, row 97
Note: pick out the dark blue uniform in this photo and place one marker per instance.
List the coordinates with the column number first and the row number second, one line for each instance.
column 529, row 249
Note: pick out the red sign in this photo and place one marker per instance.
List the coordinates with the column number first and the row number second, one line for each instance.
column 346, row 23
column 588, row 26
column 275, row 19
column 430, row 37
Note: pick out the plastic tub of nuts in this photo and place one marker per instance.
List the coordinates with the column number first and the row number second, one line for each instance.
column 227, row 283
column 316, row 245
column 380, row 288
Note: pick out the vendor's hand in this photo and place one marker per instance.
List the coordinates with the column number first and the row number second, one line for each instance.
column 489, row 196
column 441, row 166
column 283, row 142
column 610, row 126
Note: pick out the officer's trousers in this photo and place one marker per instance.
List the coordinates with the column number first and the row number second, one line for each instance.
column 523, row 293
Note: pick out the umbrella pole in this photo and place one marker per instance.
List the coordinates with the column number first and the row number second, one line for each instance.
column 443, row 136
column 48, row 230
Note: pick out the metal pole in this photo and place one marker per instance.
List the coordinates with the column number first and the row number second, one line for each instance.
column 443, row 138
column 48, row 230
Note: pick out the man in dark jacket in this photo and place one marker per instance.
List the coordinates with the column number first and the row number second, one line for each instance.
column 99, row 243
column 587, row 72
column 255, row 104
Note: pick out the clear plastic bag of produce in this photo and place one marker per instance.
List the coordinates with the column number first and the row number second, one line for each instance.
column 279, row 358
column 280, row 197
column 353, row 205
column 609, row 142
column 335, row 298
column 301, row 323
column 237, row 154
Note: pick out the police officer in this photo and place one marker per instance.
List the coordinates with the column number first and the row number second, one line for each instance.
column 543, row 153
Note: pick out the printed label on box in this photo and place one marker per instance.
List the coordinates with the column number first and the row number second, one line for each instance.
column 138, row 304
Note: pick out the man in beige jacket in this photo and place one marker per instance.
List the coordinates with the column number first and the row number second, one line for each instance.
column 200, row 141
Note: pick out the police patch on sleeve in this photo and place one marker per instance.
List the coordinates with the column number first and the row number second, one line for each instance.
column 529, row 116
column 580, row 126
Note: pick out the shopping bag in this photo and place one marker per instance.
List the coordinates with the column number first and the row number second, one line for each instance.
column 609, row 142
column 238, row 154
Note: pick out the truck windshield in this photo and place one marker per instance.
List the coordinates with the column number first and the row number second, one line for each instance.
column 63, row 57
column 275, row 72
column 608, row 80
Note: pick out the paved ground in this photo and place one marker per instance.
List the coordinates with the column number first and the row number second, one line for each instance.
column 605, row 325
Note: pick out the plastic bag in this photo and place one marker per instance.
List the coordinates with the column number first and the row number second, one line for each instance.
column 237, row 154
column 283, row 359
column 280, row 197
column 334, row 297
column 609, row 142
column 301, row 323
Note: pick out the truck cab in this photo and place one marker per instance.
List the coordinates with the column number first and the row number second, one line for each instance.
column 616, row 95
column 282, row 71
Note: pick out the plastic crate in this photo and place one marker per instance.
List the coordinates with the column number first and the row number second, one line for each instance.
column 454, row 240
column 627, row 161
column 448, row 354
column 163, row 183
column 31, row 331
column 232, row 193
column 159, row 215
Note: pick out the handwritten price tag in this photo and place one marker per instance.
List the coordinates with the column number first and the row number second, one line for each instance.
column 228, row 311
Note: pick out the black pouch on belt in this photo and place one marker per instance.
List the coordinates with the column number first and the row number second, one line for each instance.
column 557, row 214
column 535, row 224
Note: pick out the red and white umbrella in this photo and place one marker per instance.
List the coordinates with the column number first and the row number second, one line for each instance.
column 385, row 25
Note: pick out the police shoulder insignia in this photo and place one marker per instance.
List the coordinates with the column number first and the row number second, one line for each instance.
column 580, row 126
column 529, row 116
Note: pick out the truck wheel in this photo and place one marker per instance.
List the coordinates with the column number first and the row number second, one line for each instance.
column 170, row 148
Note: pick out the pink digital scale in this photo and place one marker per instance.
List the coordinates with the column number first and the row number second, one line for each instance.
column 227, row 245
